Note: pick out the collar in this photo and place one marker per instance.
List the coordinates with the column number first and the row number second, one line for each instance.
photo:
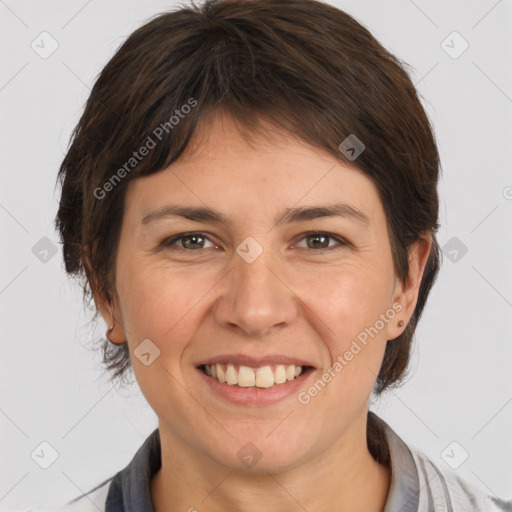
column 404, row 489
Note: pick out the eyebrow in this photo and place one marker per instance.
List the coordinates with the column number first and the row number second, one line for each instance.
column 290, row 215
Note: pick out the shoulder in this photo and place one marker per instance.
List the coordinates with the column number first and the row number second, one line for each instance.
column 92, row 501
column 130, row 485
column 443, row 490
column 419, row 485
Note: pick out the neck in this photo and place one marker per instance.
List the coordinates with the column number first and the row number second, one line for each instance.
column 345, row 478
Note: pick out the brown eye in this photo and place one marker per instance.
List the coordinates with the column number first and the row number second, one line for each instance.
column 190, row 241
column 320, row 240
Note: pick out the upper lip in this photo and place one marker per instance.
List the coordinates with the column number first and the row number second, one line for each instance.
column 247, row 360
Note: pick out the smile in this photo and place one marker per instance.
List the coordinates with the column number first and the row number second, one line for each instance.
column 254, row 380
column 246, row 376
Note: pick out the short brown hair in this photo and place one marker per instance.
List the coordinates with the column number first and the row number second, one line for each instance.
column 303, row 65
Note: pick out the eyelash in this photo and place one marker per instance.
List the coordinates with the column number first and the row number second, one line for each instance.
column 342, row 243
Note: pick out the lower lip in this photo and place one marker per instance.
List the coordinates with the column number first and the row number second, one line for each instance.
column 256, row 396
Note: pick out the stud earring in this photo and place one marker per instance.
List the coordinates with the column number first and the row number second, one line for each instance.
column 401, row 323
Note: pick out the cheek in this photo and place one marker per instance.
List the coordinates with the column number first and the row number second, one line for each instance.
column 156, row 302
column 162, row 306
column 347, row 298
column 346, row 304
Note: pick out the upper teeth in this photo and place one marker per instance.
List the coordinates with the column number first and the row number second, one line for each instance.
column 245, row 376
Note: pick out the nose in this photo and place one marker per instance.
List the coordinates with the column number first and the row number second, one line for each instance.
column 255, row 298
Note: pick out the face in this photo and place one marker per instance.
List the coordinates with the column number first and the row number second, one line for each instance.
column 270, row 284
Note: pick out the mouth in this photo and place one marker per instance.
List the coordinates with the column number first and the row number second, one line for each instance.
column 242, row 376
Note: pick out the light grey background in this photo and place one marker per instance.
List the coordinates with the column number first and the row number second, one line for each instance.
column 52, row 388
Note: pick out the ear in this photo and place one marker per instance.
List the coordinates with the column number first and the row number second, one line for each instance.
column 407, row 295
column 108, row 310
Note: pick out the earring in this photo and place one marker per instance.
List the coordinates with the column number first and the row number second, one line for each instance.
column 400, row 323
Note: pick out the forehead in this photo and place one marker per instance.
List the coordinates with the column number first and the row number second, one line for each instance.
column 220, row 135
column 228, row 167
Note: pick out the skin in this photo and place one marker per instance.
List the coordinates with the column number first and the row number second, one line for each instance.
column 294, row 299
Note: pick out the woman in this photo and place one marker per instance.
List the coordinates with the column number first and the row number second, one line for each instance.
column 251, row 195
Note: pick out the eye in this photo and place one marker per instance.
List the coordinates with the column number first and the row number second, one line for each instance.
column 320, row 240
column 196, row 240
column 191, row 241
